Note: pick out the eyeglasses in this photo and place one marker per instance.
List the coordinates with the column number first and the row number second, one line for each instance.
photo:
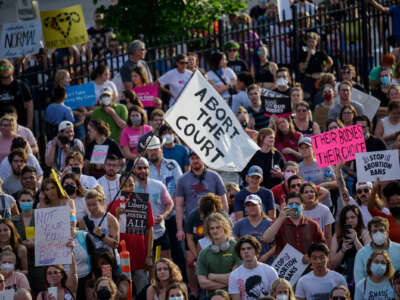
column 362, row 190
column 5, row 67
column 302, row 110
column 346, row 72
column 292, row 186
column 338, row 298
column 53, row 273
column 183, row 62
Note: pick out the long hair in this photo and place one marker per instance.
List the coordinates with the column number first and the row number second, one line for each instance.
column 79, row 188
column 45, row 183
column 389, row 266
column 64, row 276
column 282, row 281
column 279, row 134
column 174, row 274
column 221, row 219
column 15, row 238
column 180, row 286
column 215, row 60
column 141, row 71
column 261, row 136
column 342, row 221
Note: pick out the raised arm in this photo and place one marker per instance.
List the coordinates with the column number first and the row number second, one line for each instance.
column 379, row 6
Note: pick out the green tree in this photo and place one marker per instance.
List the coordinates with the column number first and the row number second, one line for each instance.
column 154, row 18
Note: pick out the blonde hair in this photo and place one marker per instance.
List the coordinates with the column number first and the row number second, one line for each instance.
column 59, row 77
column 96, row 193
column 219, row 218
column 12, row 118
column 282, row 281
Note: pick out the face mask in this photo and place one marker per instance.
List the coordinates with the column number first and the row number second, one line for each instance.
column 366, row 135
column 7, row 268
column 168, row 138
column 136, row 120
column 282, row 297
column 282, row 82
column 379, row 238
column 26, row 206
column 395, row 211
column 176, row 298
column 328, row 97
column 385, row 80
column 106, row 100
column 378, row 269
column 103, row 294
column 70, row 189
column 296, row 206
column 288, row 175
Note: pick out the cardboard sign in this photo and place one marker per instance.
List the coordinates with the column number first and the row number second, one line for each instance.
column 80, row 95
column 136, row 213
column 203, row 120
column 380, row 164
column 52, row 232
column 276, row 103
column 99, row 154
column 341, row 144
column 288, row 264
column 146, row 94
column 19, row 39
column 64, row 27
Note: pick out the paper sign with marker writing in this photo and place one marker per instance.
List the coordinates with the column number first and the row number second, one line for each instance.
column 80, row 95
column 136, row 213
column 276, row 103
column 341, row 144
column 52, row 232
column 380, row 164
column 288, row 264
column 146, row 94
column 99, row 154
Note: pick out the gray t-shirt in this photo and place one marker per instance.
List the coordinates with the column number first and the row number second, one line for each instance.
column 372, row 290
column 12, row 185
column 191, row 188
column 334, row 112
column 312, row 173
column 126, row 70
column 320, row 214
column 9, row 202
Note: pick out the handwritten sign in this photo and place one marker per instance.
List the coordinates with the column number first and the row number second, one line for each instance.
column 288, row 264
column 275, row 103
column 64, row 27
column 146, row 94
column 136, row 213
column 341, row 144
column 80, row 95
column 52, row 232
column 380, row 164
column 99, row 154
column 22, row 38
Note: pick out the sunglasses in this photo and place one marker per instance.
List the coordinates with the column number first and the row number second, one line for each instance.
column 53, row 273
column 183, row 62
column 260, row 52
column 338, row 298
column 292, row 186
column 5, row 67
column 362, row 190
column 301, row 110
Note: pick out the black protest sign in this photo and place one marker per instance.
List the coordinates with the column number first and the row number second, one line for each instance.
column 276, row 103
column 136, row 213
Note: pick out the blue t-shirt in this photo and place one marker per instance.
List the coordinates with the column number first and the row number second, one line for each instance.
column 178, row 153
column 56, row 113
column 395, row 12
column 265, row 194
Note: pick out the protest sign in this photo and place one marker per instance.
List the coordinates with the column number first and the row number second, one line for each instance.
column 52, row 232
column 146, row 94
column 284, row 10
column 341, row 144
column 276, row 103
column 99, row 154
column 379, row 164
column 7, row 294
column 27, row 10
column 288, row 264
column 64, row 27
column 19, row 39
column 136, row 213
column 80, row 95
column 203, row 120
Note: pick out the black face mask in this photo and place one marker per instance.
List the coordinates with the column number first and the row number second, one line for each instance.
column 395, row 211
column 103, row 294
column 70, row 189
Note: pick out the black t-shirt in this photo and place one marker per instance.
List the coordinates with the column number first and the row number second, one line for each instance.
column 257, row 12
column 263, row 74
column 238, row 66
column 382, row 96
column 98, row 38
column 374, row 144
column 316, row 62
column 15, row 94
column 113, row 149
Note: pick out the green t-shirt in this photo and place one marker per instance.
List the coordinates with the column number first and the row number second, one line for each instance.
column 100, row 114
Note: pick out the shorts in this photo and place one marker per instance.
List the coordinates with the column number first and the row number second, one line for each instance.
column 163, row 241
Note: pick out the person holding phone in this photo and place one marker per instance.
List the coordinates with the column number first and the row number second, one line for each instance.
column 351, row 235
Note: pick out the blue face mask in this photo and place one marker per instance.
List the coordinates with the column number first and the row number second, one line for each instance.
column 296, row 206
column 26, row 206
column 378, row 269
column 176, row 298
column 385, row 80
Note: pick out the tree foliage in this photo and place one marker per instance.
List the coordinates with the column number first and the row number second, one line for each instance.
column 132, row 18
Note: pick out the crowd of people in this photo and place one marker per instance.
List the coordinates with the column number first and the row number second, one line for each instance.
column 199, row 233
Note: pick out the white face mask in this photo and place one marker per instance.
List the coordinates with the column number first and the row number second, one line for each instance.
column 379, row 238
column 6, row 267
column 282, row 297
column 168, row 138
column 282, row 81
column 106, row 100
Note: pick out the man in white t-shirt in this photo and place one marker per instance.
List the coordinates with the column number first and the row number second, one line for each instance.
column 110, row 181
column 74, row 164
column 253, row 279
column 175, row 78
column 320, row 281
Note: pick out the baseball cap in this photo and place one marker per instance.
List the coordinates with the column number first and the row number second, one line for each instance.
column 141, row 161
column 64, row 125
column 253, row 198
column 153, row 142
column 191, row 152
column 367, row 184
column 255, row 170
column 106, row 91
column 305, row 140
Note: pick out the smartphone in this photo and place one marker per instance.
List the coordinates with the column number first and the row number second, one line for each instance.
column 347, row 228
column 76, row 170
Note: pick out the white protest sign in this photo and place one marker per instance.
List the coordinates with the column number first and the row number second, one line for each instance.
column 284, row 9
column 7, row 294
column 380, row 164
column 203, row 120
column 52, row 232
column 370, row 103
column 99, row 154
column 288, row 264
column 22, row 38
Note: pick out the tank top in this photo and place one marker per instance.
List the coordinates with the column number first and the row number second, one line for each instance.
column 104, row 228
column 308, row 131
column 388, row 129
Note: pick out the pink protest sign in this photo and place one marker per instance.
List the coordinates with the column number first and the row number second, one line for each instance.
column 146, row 94
column 341, row 144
